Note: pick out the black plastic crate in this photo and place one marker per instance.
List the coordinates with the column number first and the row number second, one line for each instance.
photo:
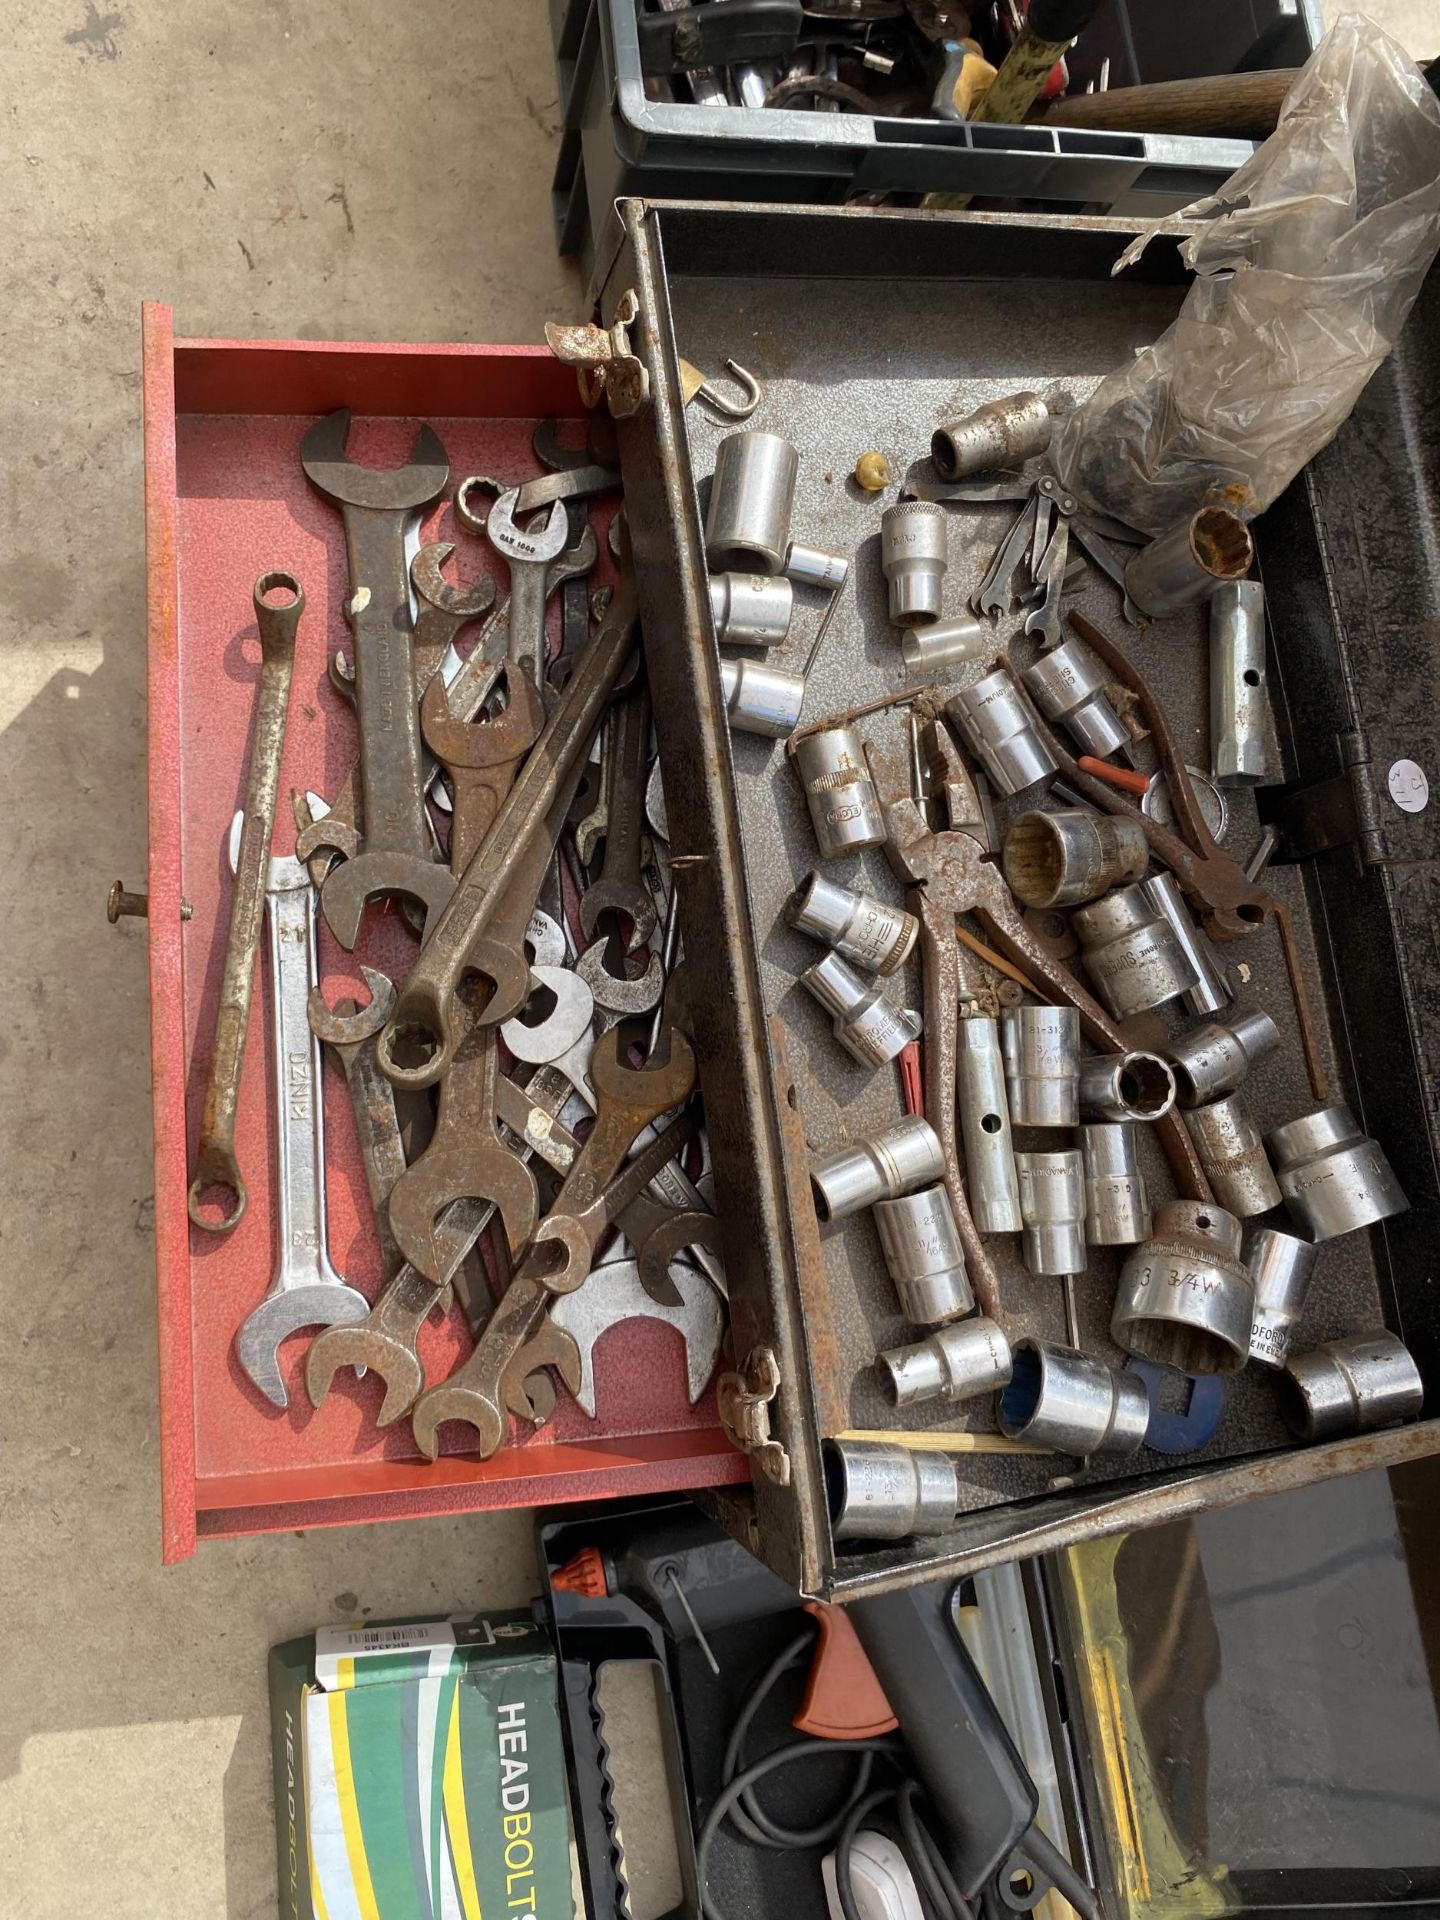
column 617, row 141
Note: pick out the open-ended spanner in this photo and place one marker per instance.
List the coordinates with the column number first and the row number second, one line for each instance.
column 216, row 1168
column 617, row 995
column 421, row 1025
column 480, row 756
column 306, row 1290
column 560, row 1253
column 620, row 886
column 563, row 1043
column 529, row 551
column 466, row 1157
column 395, row 856
column 574, row 598
column 613, row 1294
column 349, row 1032
column 590, row 827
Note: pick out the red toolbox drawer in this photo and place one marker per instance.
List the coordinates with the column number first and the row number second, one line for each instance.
column 225, row 499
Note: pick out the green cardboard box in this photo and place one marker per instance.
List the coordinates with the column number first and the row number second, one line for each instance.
column 420, row 1773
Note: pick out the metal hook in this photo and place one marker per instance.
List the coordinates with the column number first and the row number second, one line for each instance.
column 696, row 386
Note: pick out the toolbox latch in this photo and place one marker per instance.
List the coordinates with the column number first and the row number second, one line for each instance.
column 603, row 359
column 1342, row 811
column 744, row 1400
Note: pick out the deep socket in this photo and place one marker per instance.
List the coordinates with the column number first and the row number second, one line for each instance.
column 992, row 1185
column 1052, row 1206
column 1211, row 991
column 1042, row 1065
column 914, row 554
column 844, row 807
column 866, row 1025
column 924, row 1257
column 868, row 931
column 1213, row 1060
column 1117, row 1203
column 1280, row 1268
column 1238, row 701
column 955, row 1363
column 1232, row 1157
column 747, row 527
column 894, row 1161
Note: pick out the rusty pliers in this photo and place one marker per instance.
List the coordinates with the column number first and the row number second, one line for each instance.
column 948, row 874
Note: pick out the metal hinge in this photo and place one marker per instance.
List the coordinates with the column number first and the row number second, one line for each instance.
column 744, row 1401
column 603, row 359
column 1343, row 811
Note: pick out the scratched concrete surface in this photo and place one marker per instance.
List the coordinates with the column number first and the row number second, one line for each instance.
column 270, row 169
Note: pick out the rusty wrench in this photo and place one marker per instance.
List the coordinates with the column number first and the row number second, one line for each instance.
column 620, row 887
column 306, row 1290
column 422, row 1017
column 215, row 1164
column 376, row 507
column 629, row 1100
column 349, row 1032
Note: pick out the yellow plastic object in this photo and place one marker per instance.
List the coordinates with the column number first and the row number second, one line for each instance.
column 872, row 472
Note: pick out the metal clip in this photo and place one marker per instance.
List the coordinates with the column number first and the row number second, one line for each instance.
column 604, row 360
column 695, row 385
column 743, row 1400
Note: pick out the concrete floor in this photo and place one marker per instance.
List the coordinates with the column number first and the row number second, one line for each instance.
column 271, row 169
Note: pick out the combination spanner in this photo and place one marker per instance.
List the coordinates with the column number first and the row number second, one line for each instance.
column 395, row 854
column 563, row 1246
column 306, row 1290
column 216, row 1168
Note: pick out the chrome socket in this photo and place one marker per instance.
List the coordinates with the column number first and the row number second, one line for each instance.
column 1117, row 1204
column 1232, row 1157
column 1237, row 684
column 1185, row 1298
column 1121, row 1087
column 946, row 643
column 1211, row 991
column 914, row 554
column 1187, row 563
column 954, row 1364
column 1063, row 859
column 1213, row 1060
column 866, row 1025
column 1002, row 433
column 868, row 931
column 894, row 1161
column 1334, row 1178
column 990, row 718
column 992, row 1185
column 747, row 527
column 1131, row 953
column 1064, row 1400
column 1068, row 686
column 1042, row 1066
column 844, row 807
column 1354, row 1385
column 881, row 1492
column 750, row 609
column 1280, row 1269
column 810, row 567
column 761, row 699
column 924, row 1257
column 1052, row 1206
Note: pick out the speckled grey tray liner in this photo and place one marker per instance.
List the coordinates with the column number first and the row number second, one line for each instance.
column 842, row 373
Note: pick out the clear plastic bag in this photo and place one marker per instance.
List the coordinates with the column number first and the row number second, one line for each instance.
column 1308, row 261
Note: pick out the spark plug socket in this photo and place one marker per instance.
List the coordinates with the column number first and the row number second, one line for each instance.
column 1237, row 684
column 990, row 1177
